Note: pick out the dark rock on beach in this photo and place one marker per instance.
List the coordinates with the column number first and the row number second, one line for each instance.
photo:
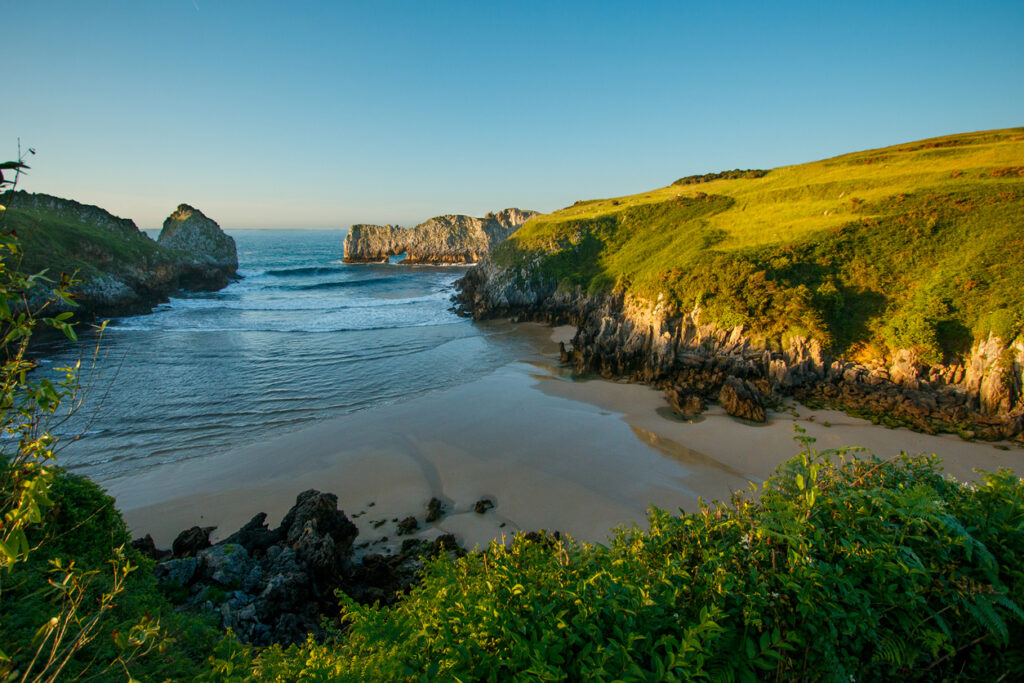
column 686, row 404
column 740, row 399
column 274, row 585
column 191, row 541
column 407, row 526
column 435, row 509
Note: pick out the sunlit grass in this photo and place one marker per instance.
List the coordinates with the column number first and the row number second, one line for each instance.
column 825, row 243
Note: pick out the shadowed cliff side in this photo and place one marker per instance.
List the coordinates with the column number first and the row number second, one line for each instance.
column 448, row 239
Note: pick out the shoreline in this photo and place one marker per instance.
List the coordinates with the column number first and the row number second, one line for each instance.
column 580, row 456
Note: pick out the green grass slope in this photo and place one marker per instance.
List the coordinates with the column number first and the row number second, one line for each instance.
column 67, row 237
column 913, row 246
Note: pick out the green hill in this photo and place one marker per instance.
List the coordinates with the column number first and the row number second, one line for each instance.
column 912, row 246
column 120, row 270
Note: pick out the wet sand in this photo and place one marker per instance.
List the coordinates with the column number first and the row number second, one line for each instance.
column 552, row 452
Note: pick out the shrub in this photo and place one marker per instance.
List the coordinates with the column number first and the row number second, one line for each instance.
column 840, row 568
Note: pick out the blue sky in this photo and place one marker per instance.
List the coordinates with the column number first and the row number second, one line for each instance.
column 323, row 114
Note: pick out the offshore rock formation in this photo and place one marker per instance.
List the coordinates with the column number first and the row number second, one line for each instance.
column 441, row 240
column 374, row 243
column 628, row 337
column 121, row 270
column 204, row 246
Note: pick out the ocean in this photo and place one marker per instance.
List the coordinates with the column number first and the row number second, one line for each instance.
column 299, row 338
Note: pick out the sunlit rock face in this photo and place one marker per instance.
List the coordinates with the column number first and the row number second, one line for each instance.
column 374, row 243
column 452, row 238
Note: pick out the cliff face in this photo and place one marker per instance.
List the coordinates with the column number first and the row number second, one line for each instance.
column 440, row 240
column 374, row 243
column 979, row 395
column 121, row 271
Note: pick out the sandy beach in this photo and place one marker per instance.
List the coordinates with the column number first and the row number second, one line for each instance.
column 552, row 452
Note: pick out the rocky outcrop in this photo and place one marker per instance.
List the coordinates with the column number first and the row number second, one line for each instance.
column 120, row 270
column 694, row 361
column 374, row 243
column 274, row 585
column 209, row 253
column 448, row 239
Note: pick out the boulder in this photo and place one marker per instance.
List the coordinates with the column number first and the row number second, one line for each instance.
column 407, row 526
column 741, row 399
column 435, row 509
column 320, row 510
column 685, row 403
column 179, row 572
column 147, row 547
column 483, row 505
column 255, row 536
column 226, row 564
column 191, row 541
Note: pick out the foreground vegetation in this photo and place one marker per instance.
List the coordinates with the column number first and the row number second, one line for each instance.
column 912, row 246
column 840, row 569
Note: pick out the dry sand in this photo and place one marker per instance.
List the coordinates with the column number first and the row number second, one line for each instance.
column 581, row 457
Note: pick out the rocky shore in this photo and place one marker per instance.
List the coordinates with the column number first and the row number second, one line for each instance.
column 621, row 336
column 275, row 585
column 121, row 270
column 449, row 239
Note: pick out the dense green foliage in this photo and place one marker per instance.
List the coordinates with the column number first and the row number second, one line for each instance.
column 841, row 569
column 73, row 602
column 82, row 534
column 721, row 175
column 913, row 246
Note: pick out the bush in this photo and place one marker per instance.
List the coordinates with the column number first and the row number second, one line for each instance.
column 840, row 569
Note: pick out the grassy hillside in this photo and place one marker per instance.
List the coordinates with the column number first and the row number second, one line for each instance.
column 916, row 245
column 87, row 241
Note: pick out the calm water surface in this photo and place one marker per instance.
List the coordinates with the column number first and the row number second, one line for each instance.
column 300, row 337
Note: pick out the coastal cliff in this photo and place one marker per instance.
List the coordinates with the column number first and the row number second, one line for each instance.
column 899, row 307
column 448, row 239
column 120, row 269
column 695, row 362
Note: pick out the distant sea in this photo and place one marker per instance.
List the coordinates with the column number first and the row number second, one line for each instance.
column 299, row 338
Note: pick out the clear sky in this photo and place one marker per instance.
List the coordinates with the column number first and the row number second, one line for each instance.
column 323, row 114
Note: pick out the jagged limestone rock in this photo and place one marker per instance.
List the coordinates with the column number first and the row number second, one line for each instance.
column 374, row 243
column 199, row 239
column 448, row 239
column 623, row 336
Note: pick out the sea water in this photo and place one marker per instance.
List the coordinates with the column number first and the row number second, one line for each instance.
column 300, row 337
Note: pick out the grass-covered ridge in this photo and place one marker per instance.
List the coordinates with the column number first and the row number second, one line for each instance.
column 61, row 236
column 916, row 245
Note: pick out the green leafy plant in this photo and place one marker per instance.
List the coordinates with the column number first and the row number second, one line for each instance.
column 77, row 600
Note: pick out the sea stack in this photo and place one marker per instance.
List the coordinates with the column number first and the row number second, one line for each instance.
column 210, row 252
column 448, row 239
